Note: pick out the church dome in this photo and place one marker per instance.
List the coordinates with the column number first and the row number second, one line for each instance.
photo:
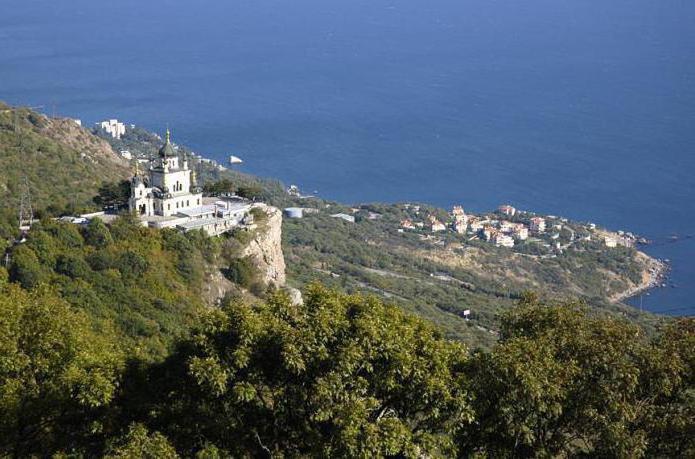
column 167, row 149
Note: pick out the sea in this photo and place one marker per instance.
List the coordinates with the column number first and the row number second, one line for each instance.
column 578, row 108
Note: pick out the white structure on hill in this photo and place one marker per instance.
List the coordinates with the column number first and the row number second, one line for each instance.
column 502, row 240
column 507, row 210
column 537, row 225
column 113, row 127
column 168, row 197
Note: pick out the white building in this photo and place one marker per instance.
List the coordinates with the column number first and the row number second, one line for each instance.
column 489, row 232
column 537, row 225
column 346, row 217
column 520, row 232
column 506, row 209
column 502, row 240
column 168, row 197
column 460, row 226
column 458, row 214
column 507, row 226
column 435, row 224
column 610, row 241
column 407, row 224
column 113, row 127
column 476, row 224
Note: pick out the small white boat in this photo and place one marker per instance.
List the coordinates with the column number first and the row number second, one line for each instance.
column 235, row 160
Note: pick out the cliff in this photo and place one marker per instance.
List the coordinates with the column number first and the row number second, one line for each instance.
column 262, row 246
column 265, row 248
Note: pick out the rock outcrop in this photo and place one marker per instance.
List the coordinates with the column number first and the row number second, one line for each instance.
column 266, row 246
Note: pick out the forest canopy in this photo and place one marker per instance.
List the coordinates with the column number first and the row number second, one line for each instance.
column 344, row 376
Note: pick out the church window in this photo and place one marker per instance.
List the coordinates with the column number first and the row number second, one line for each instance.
column 168, row 206
column 177, row 205
column 187, row 204
column 198, row 201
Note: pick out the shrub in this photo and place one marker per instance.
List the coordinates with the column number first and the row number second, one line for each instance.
column 243, row 272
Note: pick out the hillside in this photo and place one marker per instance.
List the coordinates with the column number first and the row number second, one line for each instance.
column 148, row 285
column 63, row 164
column 435, row 276
column 441, row 277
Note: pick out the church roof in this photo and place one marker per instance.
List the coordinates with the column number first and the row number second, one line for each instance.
column 167, row 149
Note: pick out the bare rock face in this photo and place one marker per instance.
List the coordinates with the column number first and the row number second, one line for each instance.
column 266, row 247
column 215, row 287
column 295, row 296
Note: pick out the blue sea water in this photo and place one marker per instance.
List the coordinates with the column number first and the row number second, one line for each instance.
column 580, row 108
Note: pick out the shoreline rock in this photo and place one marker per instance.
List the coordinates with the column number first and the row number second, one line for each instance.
column 653, row 275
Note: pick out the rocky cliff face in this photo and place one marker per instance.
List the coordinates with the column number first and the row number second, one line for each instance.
column 265, row 249
column 266, row 246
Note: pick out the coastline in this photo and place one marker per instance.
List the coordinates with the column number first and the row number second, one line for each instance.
column 653, row 275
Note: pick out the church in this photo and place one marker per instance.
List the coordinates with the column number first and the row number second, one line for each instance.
column 167, row 196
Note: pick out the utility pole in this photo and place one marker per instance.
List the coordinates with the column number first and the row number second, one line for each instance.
column 26, row 211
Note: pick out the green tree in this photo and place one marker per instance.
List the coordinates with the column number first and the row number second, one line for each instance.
column 113, row 195
column 26, row 268
column 669, row 418
column 243, row 271
column 252, row 192
column 73, row 266
column 565, row 382
column 97, row 234
column 337, row 376
column 221, row 186
column 140, row 443
column 55, row 373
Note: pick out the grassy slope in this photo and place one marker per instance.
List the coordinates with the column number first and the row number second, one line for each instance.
column 63, row 163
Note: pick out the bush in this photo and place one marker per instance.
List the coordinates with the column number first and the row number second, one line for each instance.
column 132, row 264
column 97, row 234
column 72, row 266
column 26, row 268
column 243, row 272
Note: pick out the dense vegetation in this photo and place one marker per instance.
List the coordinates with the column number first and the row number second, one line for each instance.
column 146, row 282
column 344, row 376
